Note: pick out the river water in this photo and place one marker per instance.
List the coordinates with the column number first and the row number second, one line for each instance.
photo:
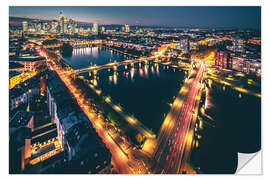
column 84, row 57
column 235, row 127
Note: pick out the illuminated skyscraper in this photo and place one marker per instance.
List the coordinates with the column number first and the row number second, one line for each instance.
column 127, row 29
column 72, row 26
column 54, row 27
column 60, row 16
column 81, row 30
column 24, row 26
column 62, row 23
column 62, row 27
column 102, row 29
column 65, row 25
column 88, row 30
column 95, row 28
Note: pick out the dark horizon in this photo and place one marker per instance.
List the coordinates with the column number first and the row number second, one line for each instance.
column 216, row 17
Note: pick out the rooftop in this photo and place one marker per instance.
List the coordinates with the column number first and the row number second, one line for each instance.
column 27, row 58
column 14, row 73
column 13, row 65
column 20, row 119
column 23, row 87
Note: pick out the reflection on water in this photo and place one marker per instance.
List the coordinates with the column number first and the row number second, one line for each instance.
column 141, row 70
column 115, row 78
column 94, row 51
column 132, row 71
column 84, row 57
column 110, row 78
column 145, row 70
column 157, row 69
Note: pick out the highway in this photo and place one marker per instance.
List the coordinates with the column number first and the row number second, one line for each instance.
column 174, row 132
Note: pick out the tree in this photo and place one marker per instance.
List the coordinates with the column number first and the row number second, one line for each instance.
column 139, row 138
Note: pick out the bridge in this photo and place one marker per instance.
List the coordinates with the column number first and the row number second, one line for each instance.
column 113, row 65
column 174, row 142
column 81, row 42
column 161, row 50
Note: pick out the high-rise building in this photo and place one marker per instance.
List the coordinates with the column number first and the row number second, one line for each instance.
column 60, row 16
column 81, row 30
column 65, row 25
column 223, row 59
column 95, row 28
column 54, row 27
column 25, row 26
column 62, row 23
column 72, row 26
column 127, row 28
column 102, row 29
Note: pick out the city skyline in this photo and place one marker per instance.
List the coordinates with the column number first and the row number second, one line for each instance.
column 205, row 17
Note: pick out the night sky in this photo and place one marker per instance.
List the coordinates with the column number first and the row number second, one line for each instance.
column 202, row 17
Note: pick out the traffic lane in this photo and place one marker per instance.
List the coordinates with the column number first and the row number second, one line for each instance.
column 178, row 134
column 178, row 110
column 175, row 129
column 183, row 134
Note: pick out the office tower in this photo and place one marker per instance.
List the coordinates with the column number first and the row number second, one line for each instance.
column 102, row 29
column 95, row 28
column 127, row 29
column 25, row 26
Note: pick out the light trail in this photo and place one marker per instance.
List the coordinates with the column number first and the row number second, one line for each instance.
column 183, row 125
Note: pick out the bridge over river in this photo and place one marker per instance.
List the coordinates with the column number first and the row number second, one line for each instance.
column 113, row 65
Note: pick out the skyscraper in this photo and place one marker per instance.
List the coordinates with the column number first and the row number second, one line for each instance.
column 25, row 26
column 62, row 23
column 65, row 25
column 72, row 26
column 54, row 27
column 102, row 29
column 95, row 28
column 127, row 29
column 60, row 15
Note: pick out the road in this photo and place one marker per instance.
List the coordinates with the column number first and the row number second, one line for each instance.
column 176, row 127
